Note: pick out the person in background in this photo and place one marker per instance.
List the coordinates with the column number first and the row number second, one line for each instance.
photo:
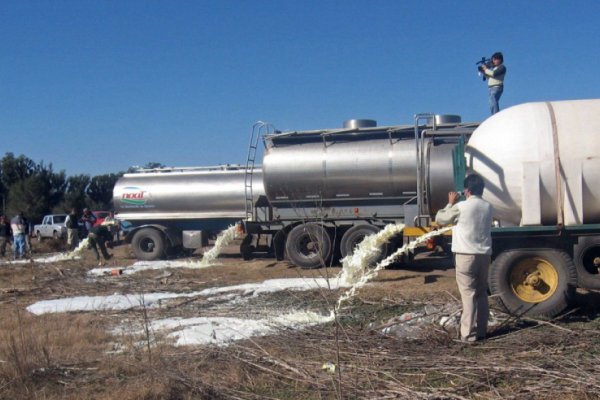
column 100, row 236
column 88, row 220
column 5, row 234
column 28, row 229
column 472, row 248
column 72, row 224
column 113, row 227
column 17, row 225
column 495, row 79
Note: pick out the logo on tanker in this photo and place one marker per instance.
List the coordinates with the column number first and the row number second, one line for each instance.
column 134, row 196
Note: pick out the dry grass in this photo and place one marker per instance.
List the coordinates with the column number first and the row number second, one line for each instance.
column 75, row 356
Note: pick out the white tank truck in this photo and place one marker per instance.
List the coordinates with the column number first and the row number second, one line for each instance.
column 325, row 190
column 175, row 210
column 541, row 166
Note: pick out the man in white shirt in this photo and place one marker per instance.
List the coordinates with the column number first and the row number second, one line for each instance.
column 472, row 247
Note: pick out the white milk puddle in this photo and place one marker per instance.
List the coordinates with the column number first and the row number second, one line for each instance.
column 128, row 301
column 222, row 330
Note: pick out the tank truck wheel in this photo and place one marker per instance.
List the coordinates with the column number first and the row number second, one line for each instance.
column 246, row 248
column 309, row 246
column 354, row 236
column 279, row 245
column 148, row 244
column 586, row 254
column 538, row 282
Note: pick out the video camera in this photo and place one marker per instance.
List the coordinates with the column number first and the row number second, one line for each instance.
column 487, row 62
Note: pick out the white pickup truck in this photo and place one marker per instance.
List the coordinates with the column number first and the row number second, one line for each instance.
column 53, row 226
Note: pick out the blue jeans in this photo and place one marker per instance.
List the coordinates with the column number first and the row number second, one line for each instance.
column 18, row 245
column 495, row 93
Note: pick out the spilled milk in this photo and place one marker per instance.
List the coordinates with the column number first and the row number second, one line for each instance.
column 357, row 272
column 355, row 268
column 223, row 239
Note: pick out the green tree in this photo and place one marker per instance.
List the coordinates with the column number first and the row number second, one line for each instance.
column 37, row 194
column 100, row 191
column 14, row 169
column 75, row 194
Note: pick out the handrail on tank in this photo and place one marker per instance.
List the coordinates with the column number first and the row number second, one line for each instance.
column 222, row 167
column 336, row 132
column 419, row 148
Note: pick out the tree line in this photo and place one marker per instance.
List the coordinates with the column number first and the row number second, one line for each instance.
column 36, row 189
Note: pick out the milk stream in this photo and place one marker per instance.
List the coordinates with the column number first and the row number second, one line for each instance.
column 71, row 255
column 223, row 239
column 78, row 250
column 355, row 269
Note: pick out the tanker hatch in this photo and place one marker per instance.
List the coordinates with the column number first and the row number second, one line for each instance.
column 441, row 119
column 360, row 123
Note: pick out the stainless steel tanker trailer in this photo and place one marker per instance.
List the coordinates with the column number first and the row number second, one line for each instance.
column 175, row 209
column 327, row 189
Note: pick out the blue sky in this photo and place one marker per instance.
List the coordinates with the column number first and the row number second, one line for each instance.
column 97, row 86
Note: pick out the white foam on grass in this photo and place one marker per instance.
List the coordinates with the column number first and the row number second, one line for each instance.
column 103, row 303
column 128, row 301
column 224, row 330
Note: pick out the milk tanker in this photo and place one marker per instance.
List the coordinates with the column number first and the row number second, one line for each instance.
column 174, row 210
column 326, row 190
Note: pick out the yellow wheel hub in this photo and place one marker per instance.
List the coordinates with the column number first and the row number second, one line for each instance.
column 534, row 279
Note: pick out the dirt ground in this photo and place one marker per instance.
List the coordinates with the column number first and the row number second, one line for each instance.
column 78, row 355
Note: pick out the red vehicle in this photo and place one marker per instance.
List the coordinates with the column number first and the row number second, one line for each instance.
column 101, row 216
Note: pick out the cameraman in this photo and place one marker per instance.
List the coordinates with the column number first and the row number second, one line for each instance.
column 495, row 77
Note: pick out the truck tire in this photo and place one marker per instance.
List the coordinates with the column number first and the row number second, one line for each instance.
column 309, row 246
column 279, row 245
column 38, row 236
column 586, row 254
column 246, row 248
column 534, row 282
column 354, row 236
column 148, row 244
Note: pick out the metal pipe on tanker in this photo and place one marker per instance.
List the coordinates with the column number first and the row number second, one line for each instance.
column 419, row 144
